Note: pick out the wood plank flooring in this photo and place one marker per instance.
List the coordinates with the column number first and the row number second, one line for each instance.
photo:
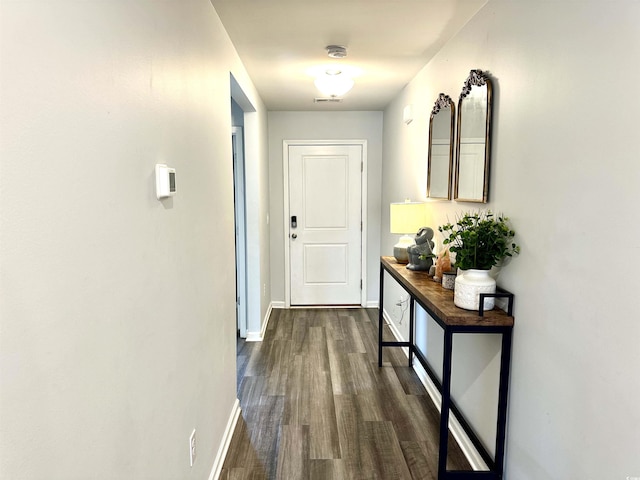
column 315, row 405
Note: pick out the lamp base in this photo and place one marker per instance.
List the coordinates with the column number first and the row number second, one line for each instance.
column 400, row 249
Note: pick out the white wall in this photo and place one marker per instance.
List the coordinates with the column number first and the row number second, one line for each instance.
column 257, row 180
column 117, row 310
column 564, row 168
column 319, row 126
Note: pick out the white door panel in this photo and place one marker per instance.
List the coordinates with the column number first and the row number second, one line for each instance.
column 439, row 169
column 326, row 264
column 471, row 170
column 325, row 245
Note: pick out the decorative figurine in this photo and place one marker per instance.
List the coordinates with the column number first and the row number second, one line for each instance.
column 443, row 264
column 421, row 254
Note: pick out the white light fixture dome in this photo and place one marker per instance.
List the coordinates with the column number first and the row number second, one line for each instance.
column 334, row 83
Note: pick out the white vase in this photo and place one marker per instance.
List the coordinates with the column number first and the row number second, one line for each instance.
column 469, row 285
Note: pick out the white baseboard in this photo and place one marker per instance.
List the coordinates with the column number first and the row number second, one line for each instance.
column 369, row 304
column 226, row 441
column 466, row 445
column 259, row 336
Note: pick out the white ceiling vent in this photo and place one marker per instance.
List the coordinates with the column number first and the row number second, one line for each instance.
column 327, row 100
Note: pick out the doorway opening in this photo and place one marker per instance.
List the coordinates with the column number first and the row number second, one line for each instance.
column 237, row 143
column 240, row 217
column 243, row 142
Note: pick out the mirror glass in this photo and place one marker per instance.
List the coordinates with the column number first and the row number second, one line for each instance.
column 473, row 148
column 440, row 162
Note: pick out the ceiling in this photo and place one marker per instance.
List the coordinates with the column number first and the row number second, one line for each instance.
column 388, row 42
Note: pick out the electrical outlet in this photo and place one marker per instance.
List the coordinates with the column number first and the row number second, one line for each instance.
column 192, row 447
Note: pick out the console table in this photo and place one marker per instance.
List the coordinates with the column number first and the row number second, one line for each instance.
column 438, row 303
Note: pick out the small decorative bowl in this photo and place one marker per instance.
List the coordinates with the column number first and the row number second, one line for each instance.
column 448, row 280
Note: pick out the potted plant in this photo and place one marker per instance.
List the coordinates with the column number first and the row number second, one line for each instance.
column 480, row 241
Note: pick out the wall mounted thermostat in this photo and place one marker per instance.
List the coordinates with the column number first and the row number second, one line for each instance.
column 165, row 181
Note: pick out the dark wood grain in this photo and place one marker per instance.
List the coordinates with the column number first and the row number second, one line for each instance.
column 242, row 457
column 315, row 405
column 328, row 470
column 294, row 452
column 440, row 300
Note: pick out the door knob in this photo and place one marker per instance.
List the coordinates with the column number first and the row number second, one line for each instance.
column 294, row 236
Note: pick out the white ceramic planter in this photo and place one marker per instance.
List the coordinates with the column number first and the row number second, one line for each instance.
column 469, row 285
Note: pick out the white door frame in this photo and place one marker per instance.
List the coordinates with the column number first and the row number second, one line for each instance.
column 363, row 213
column 241, row 227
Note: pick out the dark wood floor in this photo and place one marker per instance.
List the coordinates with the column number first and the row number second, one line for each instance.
column 315, row 405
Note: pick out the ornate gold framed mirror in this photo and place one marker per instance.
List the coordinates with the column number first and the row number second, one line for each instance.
column 440, row 156
column 473, row 148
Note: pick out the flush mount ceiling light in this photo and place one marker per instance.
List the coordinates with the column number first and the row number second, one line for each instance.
column 333, row 83
column 331, row 80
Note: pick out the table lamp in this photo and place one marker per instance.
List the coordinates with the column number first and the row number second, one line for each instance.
column 406, row 219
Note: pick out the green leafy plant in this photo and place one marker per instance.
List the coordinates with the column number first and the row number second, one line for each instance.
column 480, row 240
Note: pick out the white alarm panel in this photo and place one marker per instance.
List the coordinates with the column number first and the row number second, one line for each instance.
column 165, row 181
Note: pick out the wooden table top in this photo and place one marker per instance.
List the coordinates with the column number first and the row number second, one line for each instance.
column 440, row 300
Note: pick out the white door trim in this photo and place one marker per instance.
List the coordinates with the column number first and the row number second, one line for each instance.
column 237, row 135
column 285, row 170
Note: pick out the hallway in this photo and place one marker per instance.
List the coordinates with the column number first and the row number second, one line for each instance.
column 316, row 406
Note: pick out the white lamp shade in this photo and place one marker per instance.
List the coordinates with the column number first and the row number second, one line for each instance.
column 334, row 85
column 408, row 217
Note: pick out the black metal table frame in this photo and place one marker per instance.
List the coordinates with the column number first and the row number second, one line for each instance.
column 496, row 466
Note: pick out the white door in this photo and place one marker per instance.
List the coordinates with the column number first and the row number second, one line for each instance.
column 325, row 222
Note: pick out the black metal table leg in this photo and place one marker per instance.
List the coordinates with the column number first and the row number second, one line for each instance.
column 380, row 316
column 411, row 329
column 445, row 404
column 501, row 430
